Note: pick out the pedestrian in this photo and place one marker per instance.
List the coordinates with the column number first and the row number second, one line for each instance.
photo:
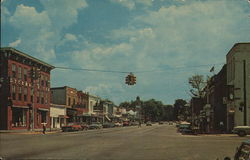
column 139, row 125
column 44, row 128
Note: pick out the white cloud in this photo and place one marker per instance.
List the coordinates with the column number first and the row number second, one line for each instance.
column 15, row 43
column 131, row 4
column 27, row 18
column 63, row 13
column 35, row 32
column 70, row 37
column 188, row 35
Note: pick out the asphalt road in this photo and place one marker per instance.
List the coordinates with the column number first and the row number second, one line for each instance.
column 157, row 142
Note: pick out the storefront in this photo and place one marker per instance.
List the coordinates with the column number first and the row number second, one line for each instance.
column 19, row 117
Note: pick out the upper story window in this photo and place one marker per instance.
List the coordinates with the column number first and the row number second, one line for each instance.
column 13, row 92
column 19, row 72
column 69, row 101
column 42, row 80
column 46, row 81
column 25, row 92
column 25, row 74
column 20, row 93
column 13, row 68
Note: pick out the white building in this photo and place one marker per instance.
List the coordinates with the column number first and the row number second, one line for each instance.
column 58, row 115
column 238, row 79
column 92, row 101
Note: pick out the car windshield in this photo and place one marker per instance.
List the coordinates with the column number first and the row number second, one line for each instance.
column 174, row 73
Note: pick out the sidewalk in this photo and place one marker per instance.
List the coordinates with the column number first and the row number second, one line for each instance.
column 35, row 131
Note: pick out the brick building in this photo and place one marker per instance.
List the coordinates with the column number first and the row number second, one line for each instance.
column 24, row 103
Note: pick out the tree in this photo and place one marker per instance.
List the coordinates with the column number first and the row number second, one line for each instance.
column 178, row 107
column 197, row 83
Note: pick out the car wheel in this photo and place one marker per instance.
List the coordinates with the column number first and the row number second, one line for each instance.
column 242, row 133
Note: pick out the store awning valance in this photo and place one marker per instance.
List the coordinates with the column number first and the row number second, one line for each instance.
column 43, row 109
column 24, row 107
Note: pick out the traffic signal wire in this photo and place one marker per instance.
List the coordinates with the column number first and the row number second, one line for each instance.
column 146, row 71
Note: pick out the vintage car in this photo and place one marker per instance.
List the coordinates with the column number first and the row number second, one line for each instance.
column 72, row 127
column 242, row 152
column 149, row 123
column 108, row 125
column 95, row 125
column 241, row 130
column 183, row 126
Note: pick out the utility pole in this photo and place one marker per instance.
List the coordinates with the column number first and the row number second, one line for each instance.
column 34, row 75
column 245, row 94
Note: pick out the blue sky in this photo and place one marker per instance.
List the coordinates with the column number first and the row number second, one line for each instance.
column 173, row 39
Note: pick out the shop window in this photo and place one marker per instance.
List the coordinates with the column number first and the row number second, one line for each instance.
column 44, row 116
column 13, row 70
column 37, row 119
column 19, row 117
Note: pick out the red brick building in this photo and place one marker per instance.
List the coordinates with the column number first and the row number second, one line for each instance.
column 24, row 103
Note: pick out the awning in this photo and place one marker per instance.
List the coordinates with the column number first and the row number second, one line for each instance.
column 24, row 107
column 63, row 116
column 108, row 118
column 43, row 109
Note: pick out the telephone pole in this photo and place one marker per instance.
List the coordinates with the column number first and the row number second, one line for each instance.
column 245, row 94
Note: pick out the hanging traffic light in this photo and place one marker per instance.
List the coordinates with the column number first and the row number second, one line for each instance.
column 130, row 79
column 127, row 80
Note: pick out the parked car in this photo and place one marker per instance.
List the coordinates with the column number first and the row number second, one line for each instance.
column 95, row 125
column 108, row 125
column 84, row 125
column 242, row 152
column 160, row 122
column 242, row 130
column 125, row 123
column 184, row 126
column 118, row 124
column 71, row 127
column 134, row 123
column 149, row 123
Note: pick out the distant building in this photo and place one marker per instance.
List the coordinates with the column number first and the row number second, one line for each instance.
column 24, row 103
column 238, row 78
column 66, row 96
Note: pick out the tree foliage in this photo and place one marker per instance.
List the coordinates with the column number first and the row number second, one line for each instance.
column 197, row 84
column 152, row 110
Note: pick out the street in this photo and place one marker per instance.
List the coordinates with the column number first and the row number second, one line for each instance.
column 146, row 143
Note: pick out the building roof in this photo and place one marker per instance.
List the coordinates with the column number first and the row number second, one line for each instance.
column 27, row 56
column 238, row 44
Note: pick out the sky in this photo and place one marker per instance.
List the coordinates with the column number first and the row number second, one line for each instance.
column 163, row 42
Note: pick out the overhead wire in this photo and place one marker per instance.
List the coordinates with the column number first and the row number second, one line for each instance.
column 145, row 71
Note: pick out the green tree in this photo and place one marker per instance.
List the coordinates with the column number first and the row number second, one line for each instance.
column 178, row 107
